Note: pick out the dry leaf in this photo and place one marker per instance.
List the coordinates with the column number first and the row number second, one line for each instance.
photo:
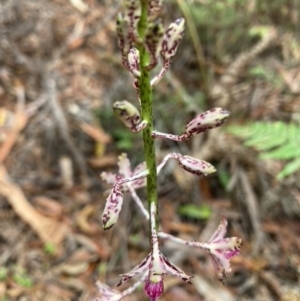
column 48, row 230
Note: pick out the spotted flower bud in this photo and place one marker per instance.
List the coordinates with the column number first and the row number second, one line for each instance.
column 200, row 124
column 153, row 42
column 134, row 61
column 172, row 37
column 112, row 208
column 206, row 121
column 129, row 115
column 154, row 7
column 196, row 166
column 132, row 14
column 170, row 43
column 124, row 43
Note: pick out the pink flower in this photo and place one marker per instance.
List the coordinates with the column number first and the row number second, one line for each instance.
column 223, row 249
column 156, row 265
column 219, row 248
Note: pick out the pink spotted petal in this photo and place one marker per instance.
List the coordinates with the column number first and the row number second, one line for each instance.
column 176, row 271
column 139, row 269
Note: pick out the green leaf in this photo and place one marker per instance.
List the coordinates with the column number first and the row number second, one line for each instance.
column 201, row 212
column 284, row 152
column 289, row 169
column 275, row 140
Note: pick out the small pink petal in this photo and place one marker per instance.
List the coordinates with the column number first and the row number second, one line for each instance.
column 220, row 232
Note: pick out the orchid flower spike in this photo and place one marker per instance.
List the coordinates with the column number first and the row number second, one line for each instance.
column 200, row 124
column 129, row 115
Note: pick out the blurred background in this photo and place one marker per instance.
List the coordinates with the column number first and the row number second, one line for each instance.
column 60, row 72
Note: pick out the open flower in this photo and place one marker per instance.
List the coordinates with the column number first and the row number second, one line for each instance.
column 155, row 265
column 114, row 201
column 223, row 249
column 219, row 248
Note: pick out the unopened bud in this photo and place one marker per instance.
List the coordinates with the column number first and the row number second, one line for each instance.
column 172, row 37
column 129, row 115
column 134, row 61
column 154, row 7
column 112, row 209
column 206, row 121
column 153, row 42
column 196, row 166
column 132, row 14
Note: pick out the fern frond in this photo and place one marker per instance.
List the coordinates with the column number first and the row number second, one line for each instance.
column 274, row 140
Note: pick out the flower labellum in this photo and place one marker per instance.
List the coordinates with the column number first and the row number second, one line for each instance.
column 154, row 289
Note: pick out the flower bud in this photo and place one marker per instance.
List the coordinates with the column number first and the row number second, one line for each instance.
column 206, row 121
column 172, row 37
column 128, row 114
column 134, row 61
column 154, row 7
column 196, row 166
column 112, row 209
column 153, row 42
column 132, row 14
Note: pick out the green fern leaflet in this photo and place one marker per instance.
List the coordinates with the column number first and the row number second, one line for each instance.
column 274, row 140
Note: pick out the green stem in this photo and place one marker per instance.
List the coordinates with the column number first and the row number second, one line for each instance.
column 146, row 111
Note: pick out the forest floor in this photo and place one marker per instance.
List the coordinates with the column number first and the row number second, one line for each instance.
column 60, row 72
